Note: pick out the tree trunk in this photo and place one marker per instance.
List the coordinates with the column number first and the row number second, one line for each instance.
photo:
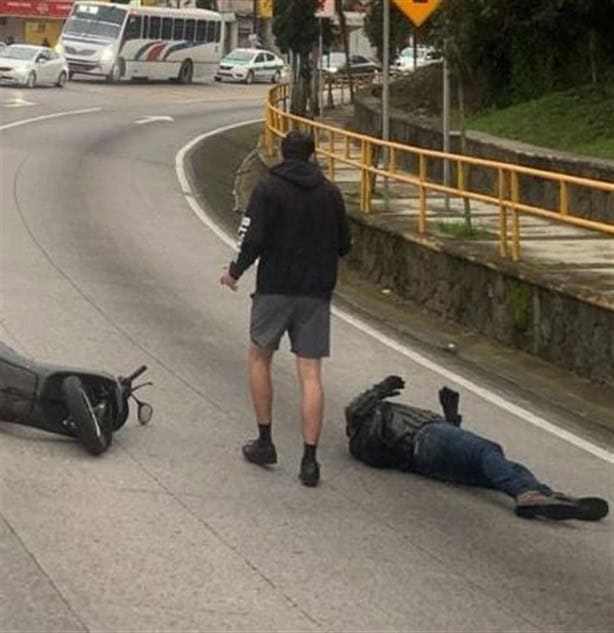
column 592, row 49
column 316, row 105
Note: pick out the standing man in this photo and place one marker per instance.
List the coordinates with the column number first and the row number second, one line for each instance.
column 296, row 224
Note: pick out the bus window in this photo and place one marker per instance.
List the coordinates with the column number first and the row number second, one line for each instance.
column 145, row 27
column 218, row 31
column 201, row 31
column 178, row 29
column 154, row 27
column 167, row 28
column 211, row 32
column 133, row 28
column 190, row 28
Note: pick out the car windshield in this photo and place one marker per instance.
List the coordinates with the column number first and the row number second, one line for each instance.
column 19, row 52
column 94, row 20
column 238, row 56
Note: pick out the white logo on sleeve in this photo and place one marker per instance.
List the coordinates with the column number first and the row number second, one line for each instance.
column 245, row 222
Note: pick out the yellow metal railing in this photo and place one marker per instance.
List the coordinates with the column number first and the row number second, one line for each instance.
column 362, row 152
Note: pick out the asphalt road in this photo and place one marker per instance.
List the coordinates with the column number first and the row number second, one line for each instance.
column 104, row 264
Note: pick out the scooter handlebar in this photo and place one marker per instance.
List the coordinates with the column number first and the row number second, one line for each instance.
column 135, row 374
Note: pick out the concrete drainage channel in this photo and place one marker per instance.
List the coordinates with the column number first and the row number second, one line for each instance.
column 223, row 169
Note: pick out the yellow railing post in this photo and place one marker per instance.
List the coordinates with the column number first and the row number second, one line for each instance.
column 331, row 157
column 515, row 218
column 460, row 176
column 502, row 214
column 392, row 160
column 368, row 188
column 422, row 190
column 564, row 198
column 363, row 175
column 268, row 133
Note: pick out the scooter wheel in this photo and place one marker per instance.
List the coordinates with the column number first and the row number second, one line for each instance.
column 92, row 432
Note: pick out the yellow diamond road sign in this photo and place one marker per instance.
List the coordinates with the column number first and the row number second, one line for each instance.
column 418, row 11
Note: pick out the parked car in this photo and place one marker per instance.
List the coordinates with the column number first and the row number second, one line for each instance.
column 249, row 65
column 333, row 63
column 31, row 65
column 424, row 56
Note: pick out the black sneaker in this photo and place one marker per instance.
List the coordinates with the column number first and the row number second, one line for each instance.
column 588, row 508
column 261, row 454
column 533, row 504
column 310, row 473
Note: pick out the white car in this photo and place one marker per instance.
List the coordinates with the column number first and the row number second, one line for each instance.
column 31, row 65
column 249, row 65
column 424, row 56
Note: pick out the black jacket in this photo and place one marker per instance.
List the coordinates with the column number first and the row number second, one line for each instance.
column 296, row 224
column 382, row 434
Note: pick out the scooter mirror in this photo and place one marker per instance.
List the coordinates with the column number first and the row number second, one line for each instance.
column 145, row 412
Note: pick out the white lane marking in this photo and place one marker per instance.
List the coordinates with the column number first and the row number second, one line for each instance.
column 406, row 351
column 154, row 118
column 45, row 117
column 18, row 102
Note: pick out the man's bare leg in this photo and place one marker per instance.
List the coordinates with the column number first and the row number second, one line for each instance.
column 312, row 398
column 260, row 383
column 312, row 412
column 261, row 451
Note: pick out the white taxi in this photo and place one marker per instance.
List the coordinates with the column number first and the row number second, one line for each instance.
column 249, row 65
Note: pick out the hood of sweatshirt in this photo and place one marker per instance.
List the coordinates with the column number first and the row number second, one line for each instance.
column 299, row 172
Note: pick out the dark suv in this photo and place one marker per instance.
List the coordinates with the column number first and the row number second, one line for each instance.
column 334, row 63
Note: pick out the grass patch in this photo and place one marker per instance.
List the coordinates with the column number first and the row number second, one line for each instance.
column 463, row 231
column 580, row 120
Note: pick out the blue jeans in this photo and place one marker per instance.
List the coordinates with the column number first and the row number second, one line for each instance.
column 447, row 452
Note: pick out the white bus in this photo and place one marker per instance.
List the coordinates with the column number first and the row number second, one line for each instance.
column 117, row 40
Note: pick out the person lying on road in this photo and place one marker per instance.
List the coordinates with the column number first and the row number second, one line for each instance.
column 393, row 435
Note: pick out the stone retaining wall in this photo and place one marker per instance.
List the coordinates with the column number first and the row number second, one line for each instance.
column 594, row 205
column 519, row 310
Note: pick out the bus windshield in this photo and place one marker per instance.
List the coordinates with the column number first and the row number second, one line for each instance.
column 96, row 20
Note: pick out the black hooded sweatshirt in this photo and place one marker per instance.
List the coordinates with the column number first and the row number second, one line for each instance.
column 296, row 224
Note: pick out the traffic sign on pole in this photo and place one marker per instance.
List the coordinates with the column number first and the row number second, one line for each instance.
column 418, row 11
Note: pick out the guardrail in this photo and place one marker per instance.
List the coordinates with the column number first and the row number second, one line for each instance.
column 373, row 157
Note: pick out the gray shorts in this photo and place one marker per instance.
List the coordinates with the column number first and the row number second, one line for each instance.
column 306, row 319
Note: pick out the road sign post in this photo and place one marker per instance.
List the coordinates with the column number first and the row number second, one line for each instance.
column 386, row 95
column 418, row 11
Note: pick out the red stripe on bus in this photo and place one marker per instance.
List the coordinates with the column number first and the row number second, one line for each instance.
column 154, row 52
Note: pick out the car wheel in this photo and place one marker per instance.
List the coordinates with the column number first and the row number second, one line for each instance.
column 95, row 434
column 61, row 80
column 249, row 79
column 31, row 80
column 117, row 72
column 186, row 72
column 276, row 78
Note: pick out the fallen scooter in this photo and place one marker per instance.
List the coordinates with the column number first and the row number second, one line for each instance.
column 85, row 404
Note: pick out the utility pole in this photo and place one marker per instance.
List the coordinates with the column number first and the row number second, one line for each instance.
column 386, row 92
column 446, row 117
column 255, row 22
